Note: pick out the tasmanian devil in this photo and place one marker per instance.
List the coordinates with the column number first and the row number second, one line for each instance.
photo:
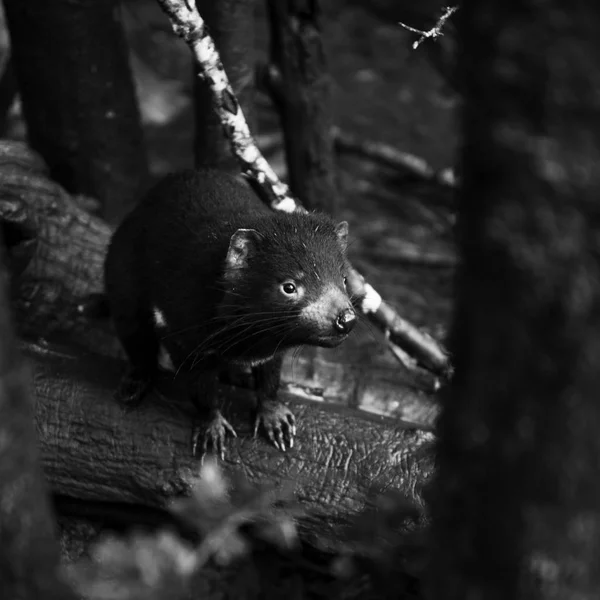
column 201, row 274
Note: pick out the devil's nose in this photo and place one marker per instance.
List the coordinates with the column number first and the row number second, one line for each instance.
column 345, row 321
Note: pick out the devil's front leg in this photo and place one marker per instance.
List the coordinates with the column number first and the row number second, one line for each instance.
column 275, row 417
column 210, row 427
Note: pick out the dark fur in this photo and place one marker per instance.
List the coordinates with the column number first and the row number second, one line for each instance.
column 170, row 253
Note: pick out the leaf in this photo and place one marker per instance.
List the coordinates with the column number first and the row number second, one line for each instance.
column 140, row 567
column 224, row 513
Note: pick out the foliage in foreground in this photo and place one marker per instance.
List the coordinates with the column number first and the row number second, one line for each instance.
column 249, row 548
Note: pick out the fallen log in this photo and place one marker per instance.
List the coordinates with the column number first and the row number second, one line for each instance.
column 93, row 448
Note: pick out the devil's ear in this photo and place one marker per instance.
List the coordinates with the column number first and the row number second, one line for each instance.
column 341, row 229
column 241, row 246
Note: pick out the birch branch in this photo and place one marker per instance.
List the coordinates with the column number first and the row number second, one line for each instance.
column 435, row 31
column 418, row 347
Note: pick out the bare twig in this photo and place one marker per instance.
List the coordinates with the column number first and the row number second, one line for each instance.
column 189, row 25
column 269, row 80
column 435, row 31
column 390, row 156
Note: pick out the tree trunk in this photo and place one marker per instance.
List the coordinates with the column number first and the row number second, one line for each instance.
column 516, row 509
column 304, row 103
column 231, row 24
column 79, row 101
column 29, row 553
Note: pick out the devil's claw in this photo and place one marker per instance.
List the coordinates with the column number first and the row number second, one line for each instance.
column 212, row 436
column 279, row 424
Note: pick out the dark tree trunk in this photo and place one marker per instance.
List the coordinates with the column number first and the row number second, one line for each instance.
column 29, row 554
column 79, row 100
column 304, row 101
column 516, row 508
column 231, row 24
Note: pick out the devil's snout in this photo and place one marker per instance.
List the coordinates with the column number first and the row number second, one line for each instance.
column 345, row 321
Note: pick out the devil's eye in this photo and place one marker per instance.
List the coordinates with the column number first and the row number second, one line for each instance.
column 288, row 288
column 345, row 280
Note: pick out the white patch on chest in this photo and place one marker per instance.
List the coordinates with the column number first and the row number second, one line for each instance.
column 253, row 362
column 159, row 318
column 164, row 359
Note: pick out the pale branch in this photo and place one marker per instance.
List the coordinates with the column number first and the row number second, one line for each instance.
column 189, row 25
column 435, row 31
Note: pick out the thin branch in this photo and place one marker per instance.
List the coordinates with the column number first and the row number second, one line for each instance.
column 189, row 25
column 435, row 31
column 269, row 81
column 390, row 156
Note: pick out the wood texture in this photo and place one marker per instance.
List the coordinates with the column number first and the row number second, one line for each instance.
column 95, row 449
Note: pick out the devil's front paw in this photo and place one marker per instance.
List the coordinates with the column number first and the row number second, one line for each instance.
column 278, row 422
column 133, row 388
column 211, row 436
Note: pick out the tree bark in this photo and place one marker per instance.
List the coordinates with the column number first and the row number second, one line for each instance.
column 516, row 509
column 79, row 102
column 29, row 553
column 231, row 24
column 144, row 456
column 305, row 101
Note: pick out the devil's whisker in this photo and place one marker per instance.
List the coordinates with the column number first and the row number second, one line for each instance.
column 229, row 328
column 247, row 316
column 230, row 334
column 274, row 328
